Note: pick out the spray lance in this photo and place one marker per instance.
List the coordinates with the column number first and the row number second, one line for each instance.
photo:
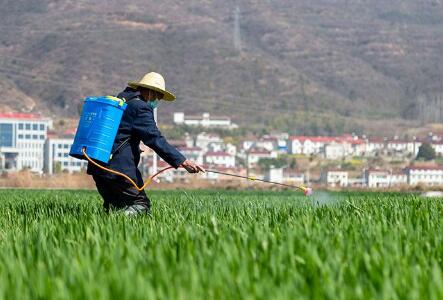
column 306, row 190
column 96, row 132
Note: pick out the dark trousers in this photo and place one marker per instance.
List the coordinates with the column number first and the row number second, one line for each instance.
column 120, row 194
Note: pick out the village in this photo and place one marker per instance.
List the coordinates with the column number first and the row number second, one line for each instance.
column 28, row 141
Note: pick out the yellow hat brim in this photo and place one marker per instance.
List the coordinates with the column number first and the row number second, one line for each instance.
column 167, row 96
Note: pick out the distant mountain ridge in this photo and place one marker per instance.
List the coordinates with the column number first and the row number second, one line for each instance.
column 314, row 66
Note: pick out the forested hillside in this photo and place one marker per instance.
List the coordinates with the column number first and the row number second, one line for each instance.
column 316, row 66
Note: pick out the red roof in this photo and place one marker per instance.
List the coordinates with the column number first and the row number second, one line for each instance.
column 71, row 131
column 425, row 168
column 20, row 116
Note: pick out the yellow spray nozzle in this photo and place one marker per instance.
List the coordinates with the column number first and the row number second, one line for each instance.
column 252, row 178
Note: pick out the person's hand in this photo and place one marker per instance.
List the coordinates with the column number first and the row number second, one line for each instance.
column 192, row 167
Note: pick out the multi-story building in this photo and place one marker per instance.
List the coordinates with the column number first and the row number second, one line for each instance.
column 254, row 155
column 203, row 140
column 22, row 139
column 205, row 120
column 335, row 178
column 428, row 175
column 377, row 178
column 220, row 158
column 193, row 153
column 57, row 157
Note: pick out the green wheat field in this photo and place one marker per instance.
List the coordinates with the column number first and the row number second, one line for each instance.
column 222, row 245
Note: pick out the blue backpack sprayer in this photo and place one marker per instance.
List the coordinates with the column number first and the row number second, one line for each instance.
column 96, row 132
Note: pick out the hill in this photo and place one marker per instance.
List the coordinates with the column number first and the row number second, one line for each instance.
column 314, row 66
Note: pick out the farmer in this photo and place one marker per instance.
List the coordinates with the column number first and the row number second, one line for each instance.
column 137, row 125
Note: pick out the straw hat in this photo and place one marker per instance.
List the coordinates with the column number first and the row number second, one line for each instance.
column 153, row 81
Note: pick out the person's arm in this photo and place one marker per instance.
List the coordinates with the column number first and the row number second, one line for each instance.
column 145, row 127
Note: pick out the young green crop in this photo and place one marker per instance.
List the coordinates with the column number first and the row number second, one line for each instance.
column 221, row 245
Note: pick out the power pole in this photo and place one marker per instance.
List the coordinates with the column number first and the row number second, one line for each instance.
column 237, row 30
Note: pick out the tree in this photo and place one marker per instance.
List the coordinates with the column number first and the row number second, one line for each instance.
column 266, row 163
column 426, row 152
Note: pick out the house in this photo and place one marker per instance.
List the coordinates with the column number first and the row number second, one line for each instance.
column 255, row 154
column 398, row 178
column 309, row 144
column 374, row 145
column 293, row 177
column 335, row 178
column 377, row 178
column 428, row 175
column 56, row 155
column 220, row 158
column 22, row 140
column 193, row 153
column 274, row 175
column 399, row 146
column 205, row 120
column 334, row 151
column 203, row 140
column 438, row 147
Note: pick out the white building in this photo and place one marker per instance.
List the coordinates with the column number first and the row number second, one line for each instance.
column 193, row 153
column 334, row 151
column 57, row 156
column 398, row 178
column 220, row 158
column 22, row 139
column 293, row 177
column 374, row 146
column 335, row 178
column 203, row 140
column 438, row 147
column 377, row 178
column 308, row 144
column 274, row 175
column 205, row 120
column 254, row 155
column 425, row 175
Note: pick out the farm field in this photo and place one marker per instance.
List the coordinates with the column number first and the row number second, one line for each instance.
column 222, row 245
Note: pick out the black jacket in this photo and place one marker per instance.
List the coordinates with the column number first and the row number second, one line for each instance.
column 137, row 124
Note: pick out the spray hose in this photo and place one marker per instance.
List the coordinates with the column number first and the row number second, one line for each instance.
column 307, row 191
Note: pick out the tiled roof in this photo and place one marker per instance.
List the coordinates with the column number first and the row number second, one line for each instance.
column 22, row 116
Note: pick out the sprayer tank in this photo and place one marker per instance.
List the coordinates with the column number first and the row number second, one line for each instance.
column 97, row 128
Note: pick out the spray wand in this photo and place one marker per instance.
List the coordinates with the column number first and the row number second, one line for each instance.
column 306, row 190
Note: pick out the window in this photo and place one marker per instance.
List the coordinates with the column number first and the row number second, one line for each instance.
column 42, row 137
column 6, row 138
column 59, row 154
column 65, row 163
column 27, row 136
column 34, row 126
column 42, row 126
column 20, row 136
column 65, row 155
column 28, row 126
column 20, row 126
column 59, row 146
column 34, row 136
column 66, row 146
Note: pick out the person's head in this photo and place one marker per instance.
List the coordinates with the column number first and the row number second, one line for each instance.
column 149, row 94
column 152, row 87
